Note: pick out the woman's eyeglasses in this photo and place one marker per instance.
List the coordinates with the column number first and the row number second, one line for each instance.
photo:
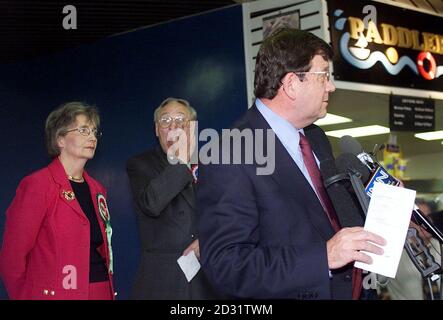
column 85, row 131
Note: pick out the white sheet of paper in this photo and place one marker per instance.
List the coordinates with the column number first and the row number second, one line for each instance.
column 189, row 265
column 388, row 216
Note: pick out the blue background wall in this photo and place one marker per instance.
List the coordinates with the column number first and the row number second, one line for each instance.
column 200, row 58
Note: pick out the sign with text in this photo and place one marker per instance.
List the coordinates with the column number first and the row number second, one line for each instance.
column 381, row 44
column 411, row 114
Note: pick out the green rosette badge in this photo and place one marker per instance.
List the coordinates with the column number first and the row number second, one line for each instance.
column 104, row 213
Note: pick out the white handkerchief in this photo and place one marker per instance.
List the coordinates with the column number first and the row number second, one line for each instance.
column 189, row 265
column 388, row 216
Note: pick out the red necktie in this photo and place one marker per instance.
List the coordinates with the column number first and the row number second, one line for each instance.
column 317, row 181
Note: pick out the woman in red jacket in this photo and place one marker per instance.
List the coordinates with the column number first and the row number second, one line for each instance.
column 57, row 238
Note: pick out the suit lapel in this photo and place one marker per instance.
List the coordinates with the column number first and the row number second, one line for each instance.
column 187, row 193
column 292, row 181
column 94, row 194
column 65, row 189
column 59, row 175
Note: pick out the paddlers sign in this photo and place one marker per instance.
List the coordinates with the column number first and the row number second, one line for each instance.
column 386, row 45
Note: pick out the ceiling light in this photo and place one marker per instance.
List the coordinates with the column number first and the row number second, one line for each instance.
column 433, row 135
column 331, row 119
column 359, row 131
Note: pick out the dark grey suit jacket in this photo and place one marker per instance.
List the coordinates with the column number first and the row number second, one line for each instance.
column 164, row 198
column 267, row 238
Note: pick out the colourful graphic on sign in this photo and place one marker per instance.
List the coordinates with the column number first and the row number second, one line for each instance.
column 360, row 56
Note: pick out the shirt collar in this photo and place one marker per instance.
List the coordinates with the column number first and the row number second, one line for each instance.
column 282, row 128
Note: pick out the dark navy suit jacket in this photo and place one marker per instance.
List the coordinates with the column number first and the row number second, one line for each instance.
column 264, row 236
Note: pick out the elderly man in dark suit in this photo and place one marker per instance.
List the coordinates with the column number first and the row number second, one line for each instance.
column 276, row 236
column 163, row 185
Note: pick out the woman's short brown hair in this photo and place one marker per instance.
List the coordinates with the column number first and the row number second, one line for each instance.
column 61, row 118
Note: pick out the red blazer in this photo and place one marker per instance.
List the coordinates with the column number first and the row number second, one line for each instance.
column 46, row 242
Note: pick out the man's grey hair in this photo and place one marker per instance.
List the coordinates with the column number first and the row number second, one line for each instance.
column 192, row 112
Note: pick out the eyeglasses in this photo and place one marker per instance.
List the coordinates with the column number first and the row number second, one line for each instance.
column 85, row 131
column 324, row 74
column 166, row 121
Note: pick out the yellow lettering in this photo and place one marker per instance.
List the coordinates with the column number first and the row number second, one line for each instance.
column 430, row 42
column 373, row 33
column 404, row 37
column 356, row 26
column 437, row 42
column 415, row 43
column 396, row 36
column 390, row 36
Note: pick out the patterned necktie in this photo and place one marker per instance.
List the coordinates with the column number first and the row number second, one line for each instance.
column 317, row 181
column 194, row 172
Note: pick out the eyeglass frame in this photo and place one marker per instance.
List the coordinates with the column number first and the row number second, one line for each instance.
column 326, row 73
column 98, row 134
column 172, row 119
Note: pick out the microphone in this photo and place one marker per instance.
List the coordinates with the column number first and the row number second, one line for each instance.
column 414, row 245
column 347, row 161
column 349, row 145
column 347, row 211
column 379, row 174
column 356, row 173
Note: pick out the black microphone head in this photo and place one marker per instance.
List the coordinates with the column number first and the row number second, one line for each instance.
column 348, row 144
column 347, row 211
column 328, row 168
column 347, row 161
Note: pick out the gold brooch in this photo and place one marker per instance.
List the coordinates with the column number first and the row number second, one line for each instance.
column 69, row 195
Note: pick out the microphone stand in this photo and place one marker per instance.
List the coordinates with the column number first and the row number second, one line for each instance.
column 417, row 251
column 422, row 259
column 441, row 263
column 359, row 189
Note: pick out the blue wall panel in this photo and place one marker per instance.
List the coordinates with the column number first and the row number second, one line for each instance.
column 200, row 58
